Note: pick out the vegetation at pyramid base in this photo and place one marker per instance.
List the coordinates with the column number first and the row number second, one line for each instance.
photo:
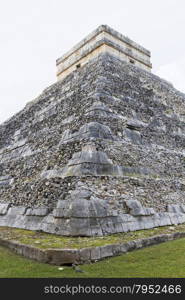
column 164, row 260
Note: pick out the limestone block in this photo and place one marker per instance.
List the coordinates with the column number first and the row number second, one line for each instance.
column 10, row 220
column 125, row 227
column 112, row 213
column 107, row 225
column 138, row 244
column 32, row 222
column 4, row 208
column 63, row 256
column 173, row 218
column 95, row 253
column 176, row 235
column 116, row 249
column 17, row 211
column 85, row 254
column 174, row 208
column 156, row 220
column 181, row 218
column 182, row 208
column 28, row 211
column 66, row 136
column 135, row 207
column 4, row 183
column 145, row 242
column 158, row 239
column 132, row 226
column 62, row 213
column 106, row 251
column 165, row 219
column 135, row 124
column 62, row 204
column 42, row 211
column 96, row 130
column 149, row 211
column 127, row 218
column 68, row 120
column 123, row 247
column 92, row 212
column 148, row 223
column 76, row 208
column 99, row 206
column 81, row 194
column 99, row 105
column 118, row 227
column 18, row 221
column 94, row 222
column 80, row 227
column 51, row 173
column 89, row 155
column 131, row 245
column 47, row 227
column 96, row 231
column 80, row 209
column 134, row 136
column 138, row 224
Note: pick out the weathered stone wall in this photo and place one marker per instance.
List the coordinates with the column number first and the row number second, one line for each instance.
column 100, row 152
column 85, row 255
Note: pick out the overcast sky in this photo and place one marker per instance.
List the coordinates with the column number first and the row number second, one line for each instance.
column 34, row 33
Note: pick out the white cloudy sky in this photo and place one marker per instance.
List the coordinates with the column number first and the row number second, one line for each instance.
column 34, row 33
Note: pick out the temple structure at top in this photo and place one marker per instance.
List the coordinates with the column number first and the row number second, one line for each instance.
column 103, row 39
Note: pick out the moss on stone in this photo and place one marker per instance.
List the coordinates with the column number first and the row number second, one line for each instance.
column 44, row 240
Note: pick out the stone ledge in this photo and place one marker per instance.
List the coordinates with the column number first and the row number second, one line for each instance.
column 85, row 255
column 97, row 31
column 87, row 216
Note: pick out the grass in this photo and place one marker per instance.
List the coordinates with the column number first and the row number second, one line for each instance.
column 163, row 260
column 43, row 240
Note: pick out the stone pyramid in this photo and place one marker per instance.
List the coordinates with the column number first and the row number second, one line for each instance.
column 99, row 152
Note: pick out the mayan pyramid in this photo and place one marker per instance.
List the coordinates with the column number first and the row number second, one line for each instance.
column 101, row 151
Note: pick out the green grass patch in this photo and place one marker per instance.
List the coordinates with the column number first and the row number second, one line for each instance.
column 162, row 260
column 44, row 240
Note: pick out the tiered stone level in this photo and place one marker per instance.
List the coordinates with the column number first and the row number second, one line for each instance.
column 99, row 152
